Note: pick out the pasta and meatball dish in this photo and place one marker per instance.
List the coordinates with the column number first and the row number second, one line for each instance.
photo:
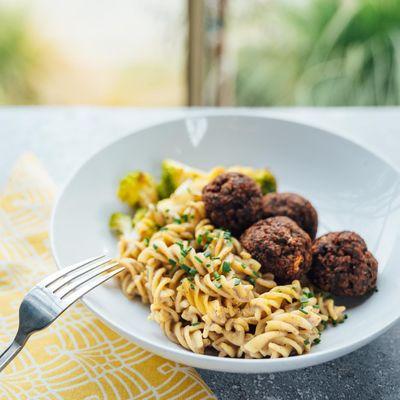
column 229, row 266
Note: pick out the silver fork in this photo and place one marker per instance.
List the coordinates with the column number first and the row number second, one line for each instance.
column 46, row 301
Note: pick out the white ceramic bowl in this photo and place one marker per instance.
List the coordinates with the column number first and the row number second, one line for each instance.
column 351, row 188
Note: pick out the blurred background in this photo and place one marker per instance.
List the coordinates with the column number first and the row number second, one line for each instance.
column 200, row 52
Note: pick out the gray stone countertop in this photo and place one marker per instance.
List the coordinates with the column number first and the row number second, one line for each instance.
column 63, row 137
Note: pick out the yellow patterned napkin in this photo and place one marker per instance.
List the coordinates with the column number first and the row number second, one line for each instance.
column 78, row 357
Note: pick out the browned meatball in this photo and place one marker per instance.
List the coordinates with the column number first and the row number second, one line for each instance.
column 294, row 206
column 343, row 265
column 233, row 201
column 281, row 247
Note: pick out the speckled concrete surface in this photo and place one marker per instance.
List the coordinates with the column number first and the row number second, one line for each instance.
column 371, row 373
column 64, row 137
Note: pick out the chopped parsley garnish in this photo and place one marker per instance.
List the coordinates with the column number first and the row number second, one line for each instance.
column 146, row 241
column 244, row 265
column 209, row 238
column 303, row 310
column 172, row 262
column 198, row 259
column 195, row 323
column 207, row 254
column 317, row 340
column 324, row 323
column 192, row 286
column 217, row 276
column 214, row 258
column 155, row 247
column 199, row 239
column 304, row 300
column 184, row 252
column 164, row 228
column 226, row 267
column 334, row 322
column 236, row 281
column 208, row 265
column 256, row 274
column 315, row 306
column 251, row 280
column 185, row 218
column 190, row 271
column 306, row 342
column 177, row 220
column 308, row 294
column 346, row 316
column 227, row 235
column 218, row 285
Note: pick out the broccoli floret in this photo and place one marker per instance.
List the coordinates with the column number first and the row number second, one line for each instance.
column 120, row 223
column 266, row 180
column 174, row 173
column 262, row 176
column 138, row 189
column 139, row 214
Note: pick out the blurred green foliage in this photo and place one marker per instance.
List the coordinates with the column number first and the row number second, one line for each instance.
column 18, row 60
column 323, row 53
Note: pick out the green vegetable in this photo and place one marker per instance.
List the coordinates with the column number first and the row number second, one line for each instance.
column 227, row 235
column 198, row 259
column 173, row 173
column 190, row 271
column 262, row 176
column 138, row 189
column 251, row 280
column 120, row 223
column 226, row 267
column 139, row 214
column 266, row 180
column 217, row 276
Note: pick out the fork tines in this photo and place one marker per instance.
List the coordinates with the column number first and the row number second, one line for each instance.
column 71, row 283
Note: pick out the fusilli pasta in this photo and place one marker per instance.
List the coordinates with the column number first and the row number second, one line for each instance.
column 208, row 294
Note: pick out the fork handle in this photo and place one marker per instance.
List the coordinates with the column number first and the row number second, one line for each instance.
column 9, row 354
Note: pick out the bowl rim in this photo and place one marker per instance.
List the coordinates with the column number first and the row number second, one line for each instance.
column 224, row 363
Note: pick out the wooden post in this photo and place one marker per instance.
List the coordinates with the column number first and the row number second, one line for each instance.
column 195, row 58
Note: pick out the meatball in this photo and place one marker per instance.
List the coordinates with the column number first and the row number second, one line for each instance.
column 233, row 201
column 294, row 206
column 343, row 265
column 281, row 247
